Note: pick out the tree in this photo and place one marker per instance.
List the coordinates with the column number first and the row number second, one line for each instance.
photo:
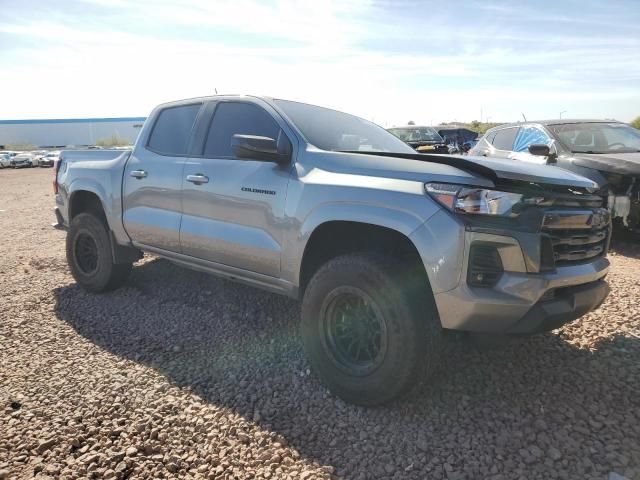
column 635, row 123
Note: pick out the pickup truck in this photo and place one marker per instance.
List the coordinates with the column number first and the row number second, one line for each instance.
column 388, row 249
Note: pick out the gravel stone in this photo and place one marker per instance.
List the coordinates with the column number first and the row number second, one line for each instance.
column 46, row 445
column 182, row 375
column 554, row 454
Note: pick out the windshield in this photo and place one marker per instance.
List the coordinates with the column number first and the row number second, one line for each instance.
column 417, row 134
column 597, row 137
column 336, row 131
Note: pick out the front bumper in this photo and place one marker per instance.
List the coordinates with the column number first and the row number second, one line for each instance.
column 568, row 304
column 524, row 300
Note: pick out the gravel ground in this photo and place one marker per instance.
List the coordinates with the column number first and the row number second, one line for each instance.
column 180, row 374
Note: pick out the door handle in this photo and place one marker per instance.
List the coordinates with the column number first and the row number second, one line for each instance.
column 198, row 178
column 138, row 174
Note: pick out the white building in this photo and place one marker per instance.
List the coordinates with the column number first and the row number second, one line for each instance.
column 68, row 131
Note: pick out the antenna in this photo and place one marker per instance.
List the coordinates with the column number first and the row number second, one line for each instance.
column 525, row 118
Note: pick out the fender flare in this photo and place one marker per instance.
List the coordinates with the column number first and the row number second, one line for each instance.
column 399, row 220
column 120, row 253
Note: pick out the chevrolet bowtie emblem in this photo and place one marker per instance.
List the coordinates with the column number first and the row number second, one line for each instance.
column 599, row 218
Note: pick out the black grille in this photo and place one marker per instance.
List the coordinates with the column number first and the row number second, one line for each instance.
column 577, row 236
column 571, row 246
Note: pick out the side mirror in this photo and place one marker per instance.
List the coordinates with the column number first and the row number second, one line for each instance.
column 265, row 149
column 539, row 150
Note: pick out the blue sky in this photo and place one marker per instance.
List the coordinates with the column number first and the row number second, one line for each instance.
column 389, row 61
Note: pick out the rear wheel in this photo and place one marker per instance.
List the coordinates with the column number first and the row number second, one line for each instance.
column 89, row 255
column 366, row 333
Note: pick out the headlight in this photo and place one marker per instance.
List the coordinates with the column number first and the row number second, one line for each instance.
column 477, row 200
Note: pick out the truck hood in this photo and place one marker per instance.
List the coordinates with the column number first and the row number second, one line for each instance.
column 507, row 169
column 496, row 170
column 622, row 163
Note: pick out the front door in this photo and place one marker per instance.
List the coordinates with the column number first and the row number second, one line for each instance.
column 529, row 135
column 233, row 209
column 153, row 179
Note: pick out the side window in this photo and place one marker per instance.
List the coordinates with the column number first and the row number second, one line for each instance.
column 232, row 118
column 504, row 138
column 172, row 130
column 529, row 136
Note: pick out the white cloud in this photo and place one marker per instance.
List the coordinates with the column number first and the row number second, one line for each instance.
column 346, row 55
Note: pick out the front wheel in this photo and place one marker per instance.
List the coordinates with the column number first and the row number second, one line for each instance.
column 365, row 334
column 89, row 255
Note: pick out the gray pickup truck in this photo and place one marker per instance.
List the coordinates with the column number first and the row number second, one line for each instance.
column 387, row 248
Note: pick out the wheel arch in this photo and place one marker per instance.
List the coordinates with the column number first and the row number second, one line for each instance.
column 88, row 200
column 339, row 237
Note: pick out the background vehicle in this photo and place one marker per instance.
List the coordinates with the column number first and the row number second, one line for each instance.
column 458, row 139
column 22, row 160
column 607, row 152
column 423, row 139
column 11, row 153
column 385, row 246
column 5, row 160
column 37, row 156
column 49, row 159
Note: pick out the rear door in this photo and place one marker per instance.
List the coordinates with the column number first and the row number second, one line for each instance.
column 502, row 144
column 153, row 179
column 233, row 209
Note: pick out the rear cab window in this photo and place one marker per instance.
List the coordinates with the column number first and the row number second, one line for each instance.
column 171, row 132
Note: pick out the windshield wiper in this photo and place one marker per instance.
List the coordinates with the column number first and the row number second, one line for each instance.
column 593, row 152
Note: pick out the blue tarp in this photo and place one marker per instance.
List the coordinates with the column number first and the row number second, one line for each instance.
column 529, row 136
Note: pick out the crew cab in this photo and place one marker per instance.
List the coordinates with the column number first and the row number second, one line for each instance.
column 386, row 248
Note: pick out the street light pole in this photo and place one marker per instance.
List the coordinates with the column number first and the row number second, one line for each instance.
column 564, row 111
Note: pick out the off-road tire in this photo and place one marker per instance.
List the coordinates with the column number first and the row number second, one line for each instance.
column 86, row 232
column 413, row 330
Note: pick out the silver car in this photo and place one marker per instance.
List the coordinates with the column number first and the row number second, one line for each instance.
column 49, row 159
column 22, row 160
column 5, row 160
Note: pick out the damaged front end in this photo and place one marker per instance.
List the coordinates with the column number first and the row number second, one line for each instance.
column 623, row 200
